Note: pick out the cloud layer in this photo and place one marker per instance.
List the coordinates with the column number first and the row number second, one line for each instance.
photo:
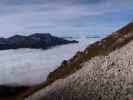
column 69, row 17
column 17, row 66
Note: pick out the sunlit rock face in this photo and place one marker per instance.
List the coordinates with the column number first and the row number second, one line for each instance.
column 102, row 78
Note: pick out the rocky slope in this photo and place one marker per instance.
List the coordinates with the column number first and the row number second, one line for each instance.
column 102, row 78
column 37, row 40
column 103, row 71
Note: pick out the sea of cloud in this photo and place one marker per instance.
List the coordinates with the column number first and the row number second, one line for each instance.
column 31, row 66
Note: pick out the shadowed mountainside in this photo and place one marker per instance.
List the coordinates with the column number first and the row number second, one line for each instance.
column 37, row 40
column 9, row 92
column 101, row 48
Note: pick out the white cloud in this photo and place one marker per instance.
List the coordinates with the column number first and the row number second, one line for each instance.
column 31, row 66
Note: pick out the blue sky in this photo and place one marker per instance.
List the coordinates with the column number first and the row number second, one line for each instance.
column 63, row 17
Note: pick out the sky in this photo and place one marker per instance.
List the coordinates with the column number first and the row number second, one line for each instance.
column 63, row 17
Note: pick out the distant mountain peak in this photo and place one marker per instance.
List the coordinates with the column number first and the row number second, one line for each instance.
column 37, row 40
column 17, row 36
column 40, row 34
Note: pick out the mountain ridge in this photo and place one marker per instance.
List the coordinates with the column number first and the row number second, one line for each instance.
column 110, row 43
column 37, row 40
column 107, row 77
column 103, row 47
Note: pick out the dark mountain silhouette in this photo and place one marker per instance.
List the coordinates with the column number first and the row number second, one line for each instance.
column 9, row 92
column 37, row 40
